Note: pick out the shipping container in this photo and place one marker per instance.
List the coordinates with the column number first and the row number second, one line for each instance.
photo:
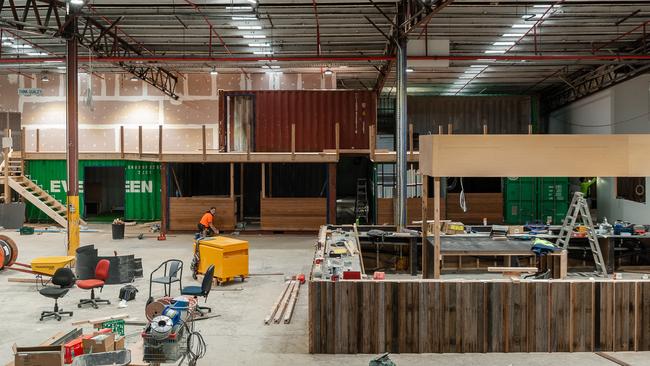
column 141, row 186
column 270, row 114
column 530, row 200
column 501, row 114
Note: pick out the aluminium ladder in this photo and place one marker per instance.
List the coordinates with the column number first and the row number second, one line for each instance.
column 361, row 209
column 579, row 207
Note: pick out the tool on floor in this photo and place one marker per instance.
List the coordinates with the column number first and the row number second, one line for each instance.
column 382, row 360
column 579, row 207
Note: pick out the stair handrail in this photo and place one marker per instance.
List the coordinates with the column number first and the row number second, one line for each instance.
column 6, row 158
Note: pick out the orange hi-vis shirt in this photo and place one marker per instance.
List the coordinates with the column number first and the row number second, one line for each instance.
column 206, row 220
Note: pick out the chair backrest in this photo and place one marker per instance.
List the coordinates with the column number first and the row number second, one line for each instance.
column 174, row 267
column 101, row 271
column 63, row 277
column 208, row 277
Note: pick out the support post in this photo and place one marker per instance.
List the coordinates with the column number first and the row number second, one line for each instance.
column 241, row 192
column 248, row 142
column 337, row 139
column 411, row 145
column 530, row 129
column 5, row 153
column 331, row 189
column 485, row 130
column 372, row 142
column 232, row 181
column 140, row 141
column 164, row 200
column 72, row 132
column 427, row 248
column 401, row 135
column 203, row 142
column 160, row 142
column 270, row 192
column 263, row 194
column 122, row 142
column 436, row 227
column 293, row 141
column 23, row 148
column 38, row 140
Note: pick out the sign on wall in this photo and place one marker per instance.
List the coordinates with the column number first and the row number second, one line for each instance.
column 30, row 92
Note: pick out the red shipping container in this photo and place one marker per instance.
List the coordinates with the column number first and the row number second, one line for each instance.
column 314, row 112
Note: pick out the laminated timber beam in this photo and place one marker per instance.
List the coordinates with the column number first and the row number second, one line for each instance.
column 48, row 17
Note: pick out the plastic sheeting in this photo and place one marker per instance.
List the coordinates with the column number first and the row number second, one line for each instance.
column 141, row 186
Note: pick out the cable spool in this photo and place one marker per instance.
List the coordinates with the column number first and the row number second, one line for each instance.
column 9, row 251
column 161, row 327
column 154, row 309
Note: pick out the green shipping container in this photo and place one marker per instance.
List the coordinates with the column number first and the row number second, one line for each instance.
column 536, row 199
column 520, row 200
column 141, row 186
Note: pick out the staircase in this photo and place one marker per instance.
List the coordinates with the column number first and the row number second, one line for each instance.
column 33, row 193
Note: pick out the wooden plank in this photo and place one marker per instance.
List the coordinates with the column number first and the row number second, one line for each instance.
column 437, row 258
column 160, row 142
column 121, row 142
column 480, row 206
column 472, row 317
column 496, row 315
column 185, row 212
column 624, row 316
column 582, row 317
column 140, row 141
column 517, row 155
column 337, row 139
column 293, row 141
column 560, row 301
column 604, row 325
column 204, row 143
column 283, row 302
column 232, row 180
column 38, row 140
column 538, row 320
column 517, row 317
column 100, row 320
column 385, row 210
column 274, row 308
column 282, row 213
column 263, row 174
column 643, row 323
column 292, row 303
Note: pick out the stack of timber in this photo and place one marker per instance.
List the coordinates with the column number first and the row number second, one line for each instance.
column 293, row 214
column 282, row 309
column 185, row 212
column 434, row 316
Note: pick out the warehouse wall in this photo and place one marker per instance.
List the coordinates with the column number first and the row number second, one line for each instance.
column 622, row 109
column 118, row 101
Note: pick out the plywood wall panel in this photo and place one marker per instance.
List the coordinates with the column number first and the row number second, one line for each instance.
column 300, row 214
column 9, row 93
column 197, row 111
column 185, row 212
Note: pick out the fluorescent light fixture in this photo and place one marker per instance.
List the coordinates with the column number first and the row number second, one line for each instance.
column 134, row 78
column 77, row 2
column 254, row 36
column 506, row 43
column 45, row 78
column 495, row 51
column 259, row 45
column 36, row 54
column 53, row 61
column 526, row 26
column 275, row 66
column 547, row 6
column 518, row 35
column 213, row 71
column 246, row 18
column 21, row 46
column 7, row 44
column 473, row 72
column 263, row 52
column 466, row 76
column 479, row 66
column 410, row 69
column 249, row 27
column 328, row 72
column 252, row 1
column 239, row 8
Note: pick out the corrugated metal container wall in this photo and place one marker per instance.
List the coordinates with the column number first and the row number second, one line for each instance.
column 142, row 186
column 315, row 114
column 502, row 115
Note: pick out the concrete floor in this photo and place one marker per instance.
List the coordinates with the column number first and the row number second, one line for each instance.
column 239, row 336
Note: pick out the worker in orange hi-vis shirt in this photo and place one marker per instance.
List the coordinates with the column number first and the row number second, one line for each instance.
column 206, row 226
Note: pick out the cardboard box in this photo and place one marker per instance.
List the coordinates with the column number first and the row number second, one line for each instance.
column 452, row 228
column 99, row 343
column 119, row 343
column 515, row 230
column 38, row 356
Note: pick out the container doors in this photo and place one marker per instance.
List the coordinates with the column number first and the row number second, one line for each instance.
column 240, row 114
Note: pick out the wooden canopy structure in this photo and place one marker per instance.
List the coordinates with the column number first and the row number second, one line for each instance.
column 522, row 156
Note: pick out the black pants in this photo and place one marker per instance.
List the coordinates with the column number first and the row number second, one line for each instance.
column 201, row 227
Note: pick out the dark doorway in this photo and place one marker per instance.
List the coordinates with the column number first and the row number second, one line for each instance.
column 103, row 193
column 350, row 172
column 249, row 202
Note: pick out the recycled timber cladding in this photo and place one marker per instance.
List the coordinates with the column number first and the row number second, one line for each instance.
column 478, row 316
column 315, row 114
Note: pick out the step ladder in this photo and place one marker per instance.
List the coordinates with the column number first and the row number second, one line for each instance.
column 579, row 207
column 361, row 209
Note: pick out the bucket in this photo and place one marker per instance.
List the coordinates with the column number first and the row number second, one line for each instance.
column 118, row 231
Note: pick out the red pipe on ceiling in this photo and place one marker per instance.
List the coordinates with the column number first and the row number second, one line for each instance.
column 163, row 59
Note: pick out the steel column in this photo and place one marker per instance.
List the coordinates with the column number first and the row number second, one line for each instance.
column 72, row 137
column 401, row 135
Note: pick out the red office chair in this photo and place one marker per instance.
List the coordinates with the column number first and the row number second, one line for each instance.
column 101, row 274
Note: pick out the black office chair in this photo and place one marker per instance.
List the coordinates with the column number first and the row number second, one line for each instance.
column 173, row 272
column 202, row 290
column 65, row 279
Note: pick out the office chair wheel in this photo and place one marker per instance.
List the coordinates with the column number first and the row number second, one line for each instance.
column 79, row 306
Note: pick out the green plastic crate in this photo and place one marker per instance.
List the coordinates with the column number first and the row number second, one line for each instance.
column 117, row 326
